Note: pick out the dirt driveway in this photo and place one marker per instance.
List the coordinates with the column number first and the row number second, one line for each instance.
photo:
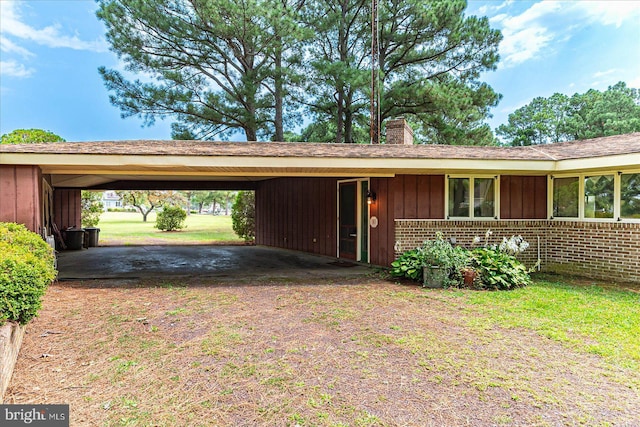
column 359, row 351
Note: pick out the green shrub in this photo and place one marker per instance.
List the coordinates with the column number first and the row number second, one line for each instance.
column 409, row 265
column 91, row 203
column 437, row 252
column 243, row 215
column 26, row 270
column 499, row 270
column 171, row 218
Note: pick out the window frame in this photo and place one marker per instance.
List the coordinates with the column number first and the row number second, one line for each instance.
column 472, row 178
column 617, row 195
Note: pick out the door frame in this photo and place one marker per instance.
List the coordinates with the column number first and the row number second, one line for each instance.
column 359, row 217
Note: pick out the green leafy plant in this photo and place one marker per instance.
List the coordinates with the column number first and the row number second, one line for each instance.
column 441, row 253
column 26, row 270
column 408, row 265
column 499, row 270
column 243, row 215
column 437, row 253
column 91, row 202
column 171, row 218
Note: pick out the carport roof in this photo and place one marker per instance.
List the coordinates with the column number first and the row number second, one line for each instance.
column 98, row 164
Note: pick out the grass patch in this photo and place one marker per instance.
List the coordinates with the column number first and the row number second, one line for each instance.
column 593, row 319
column 127, row 227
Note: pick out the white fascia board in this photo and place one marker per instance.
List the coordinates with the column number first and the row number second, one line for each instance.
column 622, row 162
column 101, row 163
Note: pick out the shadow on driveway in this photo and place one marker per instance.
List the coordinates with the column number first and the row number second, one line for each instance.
column 127, row 262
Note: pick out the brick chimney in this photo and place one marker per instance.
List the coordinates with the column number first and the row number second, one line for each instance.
column 399, row 132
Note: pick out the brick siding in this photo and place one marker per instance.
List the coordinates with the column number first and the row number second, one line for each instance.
column 591, row 249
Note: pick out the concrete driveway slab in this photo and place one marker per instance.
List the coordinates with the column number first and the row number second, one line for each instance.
column 126, row 262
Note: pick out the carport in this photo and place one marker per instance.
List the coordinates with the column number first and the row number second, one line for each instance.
column 310, row 197
column 297, row 193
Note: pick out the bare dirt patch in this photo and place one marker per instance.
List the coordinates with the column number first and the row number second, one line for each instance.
column 322, row 352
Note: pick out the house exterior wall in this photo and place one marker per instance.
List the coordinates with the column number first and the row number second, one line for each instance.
column 20, row 196
column 298, row 214
column 67, row 208
column 604, row 250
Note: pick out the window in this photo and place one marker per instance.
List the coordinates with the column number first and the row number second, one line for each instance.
column 565, row 197
column 598, row 196
column 483, row 198
column 606, row 196
column 466, row 192
column 630, row 195
column 459, row 197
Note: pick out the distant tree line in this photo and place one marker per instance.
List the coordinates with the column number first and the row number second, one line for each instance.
column 566, row 118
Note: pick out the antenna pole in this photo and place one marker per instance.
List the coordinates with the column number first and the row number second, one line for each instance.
column 375, row 67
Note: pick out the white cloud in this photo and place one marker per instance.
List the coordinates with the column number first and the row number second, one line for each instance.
column 50, row 36
column 532, row 33
column 13, row 69
column 609, row 12
column 8, row 46
column 488, row 9
column 599, row 74
column 522, row 45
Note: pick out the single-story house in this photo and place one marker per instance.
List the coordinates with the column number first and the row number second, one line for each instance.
column 111, row 200
column 577, row 203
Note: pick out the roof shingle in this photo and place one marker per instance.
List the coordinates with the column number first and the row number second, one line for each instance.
column 598, row 147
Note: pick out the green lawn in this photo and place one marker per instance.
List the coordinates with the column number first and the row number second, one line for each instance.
column 592, row 319
column 128, row 228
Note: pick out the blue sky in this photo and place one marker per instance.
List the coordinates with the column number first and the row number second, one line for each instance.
column 50, row 51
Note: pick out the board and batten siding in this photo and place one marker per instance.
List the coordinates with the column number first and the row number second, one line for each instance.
column 403, row 196
column 20, row 196
column 67, row 208
column 298, row 214
column 523, row 197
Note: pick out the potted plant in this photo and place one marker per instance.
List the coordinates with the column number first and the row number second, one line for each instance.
column 469, row 276
column 441, row 262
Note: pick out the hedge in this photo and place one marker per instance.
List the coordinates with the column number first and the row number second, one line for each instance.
column 26, row 270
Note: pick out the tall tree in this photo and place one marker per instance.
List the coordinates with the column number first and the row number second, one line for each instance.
column 613, row 112
column 211, row 62
column 338, row 66
column 561, row 118
column 29, row 136
column 542, row 121
column 202, row 198
column 430, row 57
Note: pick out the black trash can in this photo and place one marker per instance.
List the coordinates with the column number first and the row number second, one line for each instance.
column 74, row 238
column 93, row 234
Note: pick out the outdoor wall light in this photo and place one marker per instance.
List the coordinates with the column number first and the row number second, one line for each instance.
column 371, row 197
